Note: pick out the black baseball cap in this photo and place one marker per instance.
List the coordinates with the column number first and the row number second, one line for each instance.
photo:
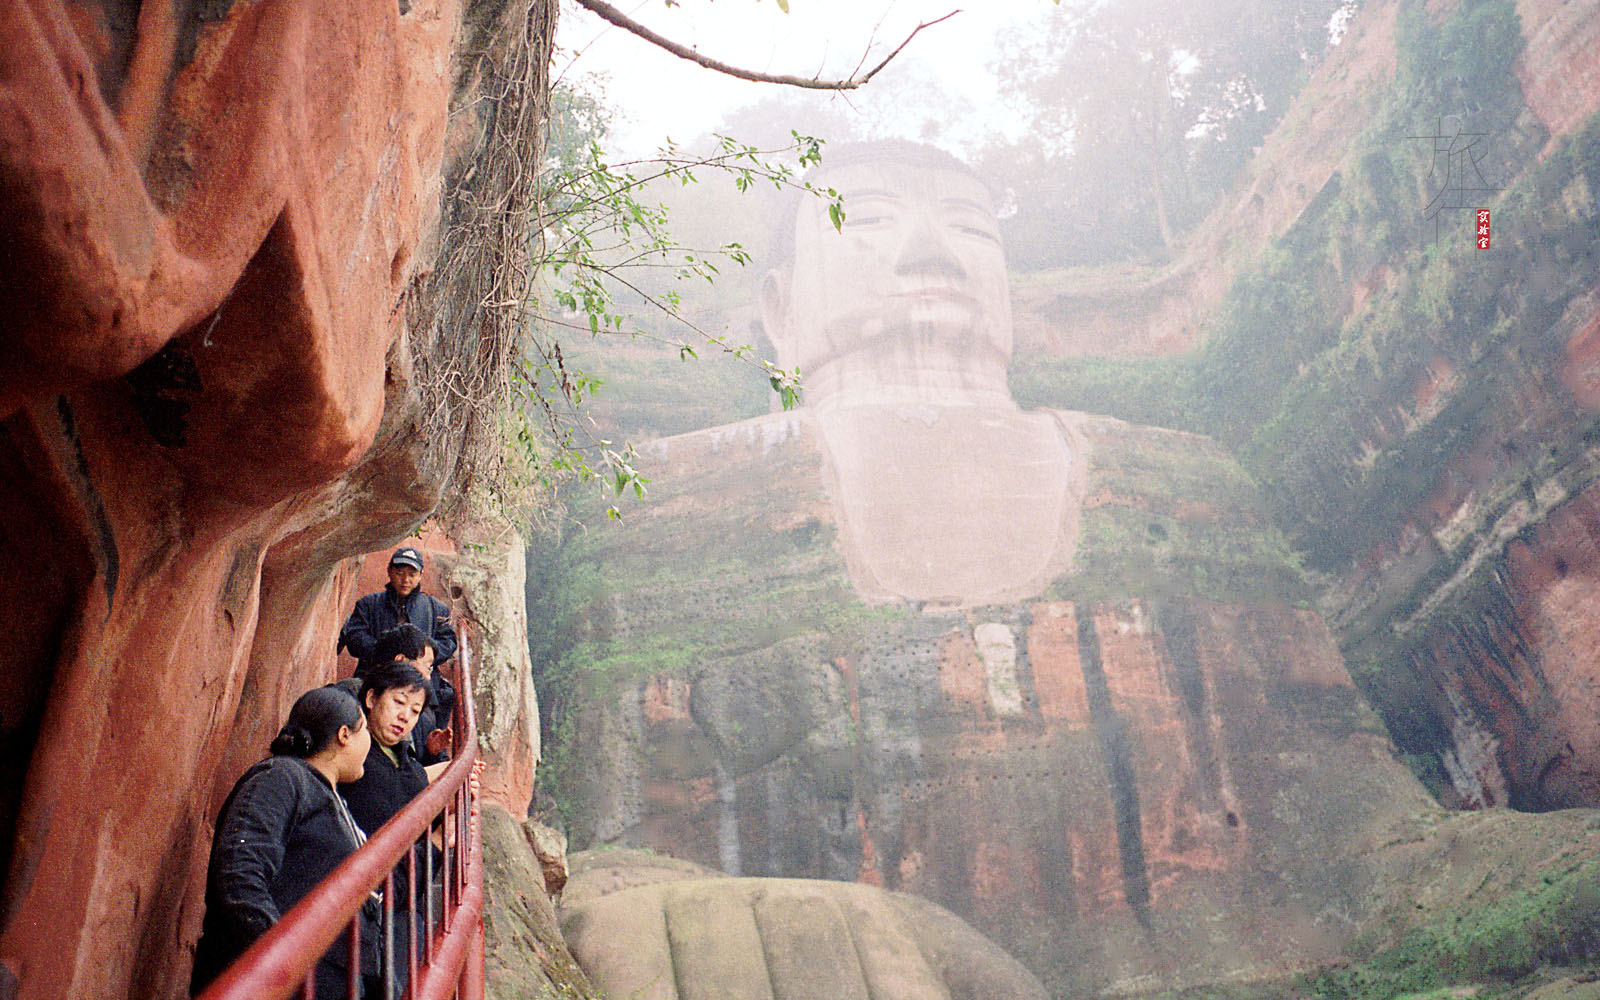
column 406, row 556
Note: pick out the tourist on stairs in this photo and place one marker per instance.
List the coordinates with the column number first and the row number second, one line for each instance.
column 280, row 832
column 407, row 642
column 393, row 695
column 401, row 600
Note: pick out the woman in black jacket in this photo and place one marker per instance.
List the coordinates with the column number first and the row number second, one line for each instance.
column 407, row 642
column 281, row 831
column 393, row 694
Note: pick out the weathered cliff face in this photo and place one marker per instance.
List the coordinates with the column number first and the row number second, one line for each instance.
column 1493, row 563
column 1464, row 594
column 1420, row 413
column 1507, row 662
column 221, row 224
column 1130, row 779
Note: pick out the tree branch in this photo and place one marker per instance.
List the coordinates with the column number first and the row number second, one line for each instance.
column 626, row 23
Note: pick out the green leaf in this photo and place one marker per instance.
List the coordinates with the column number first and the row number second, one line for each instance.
column 595, row 224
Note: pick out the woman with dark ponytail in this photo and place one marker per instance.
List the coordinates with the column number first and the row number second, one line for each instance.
column 281, row 831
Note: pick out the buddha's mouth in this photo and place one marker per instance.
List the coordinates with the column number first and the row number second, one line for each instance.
column 934, row 293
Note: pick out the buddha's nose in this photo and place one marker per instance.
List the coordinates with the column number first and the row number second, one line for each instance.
column 925, row 251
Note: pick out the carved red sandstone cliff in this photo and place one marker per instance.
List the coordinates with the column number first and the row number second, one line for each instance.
column 1475, row 606
column 1131, row 782
column 218, row 225
column 1471, row 607
column 1514, row 668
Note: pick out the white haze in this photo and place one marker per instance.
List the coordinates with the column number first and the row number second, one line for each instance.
column 658, row 96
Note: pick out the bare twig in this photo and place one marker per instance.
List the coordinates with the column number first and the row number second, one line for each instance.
column 626, row 23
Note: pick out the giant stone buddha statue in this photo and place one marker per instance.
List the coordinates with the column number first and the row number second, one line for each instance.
column 1050, row 670
column 947, row 492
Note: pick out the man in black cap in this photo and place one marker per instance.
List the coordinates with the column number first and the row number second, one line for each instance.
column 401, row 601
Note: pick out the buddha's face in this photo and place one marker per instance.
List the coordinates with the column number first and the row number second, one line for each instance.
column 919, row 262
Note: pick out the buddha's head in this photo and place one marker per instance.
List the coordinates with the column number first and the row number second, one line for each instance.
column 912, row 293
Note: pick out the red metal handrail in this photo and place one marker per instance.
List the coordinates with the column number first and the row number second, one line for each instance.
column 282, row 960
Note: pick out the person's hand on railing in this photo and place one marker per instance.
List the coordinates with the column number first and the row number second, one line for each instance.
column 440, row 743
column 478, row 767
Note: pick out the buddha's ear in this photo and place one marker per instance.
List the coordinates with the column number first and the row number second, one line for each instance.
column 775, row 311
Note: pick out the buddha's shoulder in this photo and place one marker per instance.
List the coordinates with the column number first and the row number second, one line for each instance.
column 1143, row 468
column 1112, row 431
column 773, row 439
column 775, row 461
column 716, row 497
column 1110, row 442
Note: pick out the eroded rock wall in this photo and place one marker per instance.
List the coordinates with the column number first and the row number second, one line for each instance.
column 221, row 227
column 1420, row 413
column 1463, row 590
column 1508, row 664
column 1131, row 779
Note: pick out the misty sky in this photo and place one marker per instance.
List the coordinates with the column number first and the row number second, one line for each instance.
column 658, row 95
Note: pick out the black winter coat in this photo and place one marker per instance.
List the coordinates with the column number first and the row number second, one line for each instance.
column 280, row 832
column 383, row 788
column 377, row 613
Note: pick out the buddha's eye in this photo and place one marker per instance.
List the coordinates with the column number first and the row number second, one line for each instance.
column 977, row 232
column 862, row 221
